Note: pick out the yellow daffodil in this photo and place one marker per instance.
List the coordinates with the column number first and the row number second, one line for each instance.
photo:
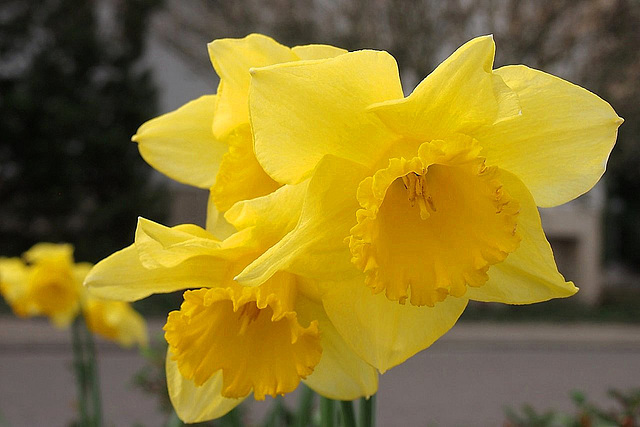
column 207, row 143
column 425, row 202
column 48, row 283
column 226, row 340
column 116, row 321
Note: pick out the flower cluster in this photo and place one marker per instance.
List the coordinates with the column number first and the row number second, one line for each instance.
column 46, row 282
column 348, row 225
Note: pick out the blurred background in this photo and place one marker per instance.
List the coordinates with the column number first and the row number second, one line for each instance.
column 77, row 77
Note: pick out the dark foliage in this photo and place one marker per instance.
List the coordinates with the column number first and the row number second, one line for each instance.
column 72, row 92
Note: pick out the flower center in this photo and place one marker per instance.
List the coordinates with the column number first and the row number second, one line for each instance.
column 433, row 225
column 254, row 339
column 417, row 190
column 248, row 314
column 53, row 289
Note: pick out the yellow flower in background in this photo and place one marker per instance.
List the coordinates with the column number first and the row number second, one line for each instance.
column 423, row 202
column 47, row 282
column 13, row 285
column 207, row 142
column 226, row 340
column 116, row 321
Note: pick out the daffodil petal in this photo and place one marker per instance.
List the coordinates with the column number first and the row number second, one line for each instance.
column 383, row 332
column 215, row 222
column 180, row 144
column 232, row 59
column 80, row 270
column 301, row 111
column 50, row 252
column 14, row 275
column 341, row 374
column 122, row 276
column 317, row 51
column 240, row 176
column 529, row 274
column 316, row 247
column 460, row 95
column 560, row 144
column 271, row 216
column 197, row 404
column 161, row 246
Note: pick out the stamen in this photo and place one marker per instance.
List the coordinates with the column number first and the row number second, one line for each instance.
column 412, row 188
column 431, row 204
column 248, row 314
column 424, row 213
column 416, row 186
column 419, row 183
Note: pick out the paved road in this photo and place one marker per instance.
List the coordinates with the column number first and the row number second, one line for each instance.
column 465, row 379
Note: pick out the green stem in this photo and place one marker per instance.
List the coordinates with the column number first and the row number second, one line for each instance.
column 348, row 416
column 79, row 368
column 86, row 373
column 275, row 416
column 3, row 421
column 327, row 412
column 92, row 368
column 368, row 411
column 174, row 420
column 303, row 416
column 233, row 418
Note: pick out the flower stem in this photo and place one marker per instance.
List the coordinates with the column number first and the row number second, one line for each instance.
column 303, row 416
column 92, row 368
column 277, row 415
column 233, row 418
column 174, row 420
column 84, row 364
column 368, row 411
column 348, row 416
column 79, row 368
column 327, row 412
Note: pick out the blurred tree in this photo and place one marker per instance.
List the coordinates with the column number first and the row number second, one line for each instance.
column 72, row 92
